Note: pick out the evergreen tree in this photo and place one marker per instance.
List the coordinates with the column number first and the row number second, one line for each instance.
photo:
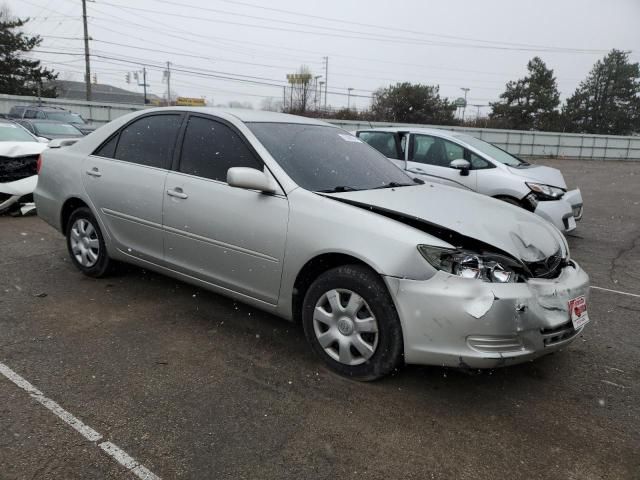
column 20, row 75
column 608, row 100
column 412, row 103
column 530, row 102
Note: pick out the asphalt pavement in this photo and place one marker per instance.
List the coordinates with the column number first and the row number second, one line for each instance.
column 193, row 385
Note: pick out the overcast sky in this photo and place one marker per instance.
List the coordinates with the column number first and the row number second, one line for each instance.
column 453, row 43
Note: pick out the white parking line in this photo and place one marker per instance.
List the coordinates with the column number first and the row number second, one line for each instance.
column 87, row 432
column 617, row 291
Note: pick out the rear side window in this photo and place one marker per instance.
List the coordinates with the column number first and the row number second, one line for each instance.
column 30, row 114
column 211, row 148
column 384, row 142
column 107, row 149
column 149, row 141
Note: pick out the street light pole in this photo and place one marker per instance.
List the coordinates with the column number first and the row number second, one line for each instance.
column 349, row 98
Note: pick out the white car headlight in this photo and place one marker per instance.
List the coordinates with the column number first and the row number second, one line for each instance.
column 488, row 267
column 545, row 192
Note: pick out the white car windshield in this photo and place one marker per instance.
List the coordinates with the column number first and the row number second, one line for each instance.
column 10, row 132
column 491, row 151
column 327, row 159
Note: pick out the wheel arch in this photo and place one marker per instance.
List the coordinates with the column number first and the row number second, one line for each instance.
column 68, row 207
column 312, row 270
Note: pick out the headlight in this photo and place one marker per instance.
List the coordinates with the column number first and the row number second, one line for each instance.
column 545, row 192
column 487, row 267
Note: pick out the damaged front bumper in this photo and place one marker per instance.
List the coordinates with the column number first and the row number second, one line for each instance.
column 19, row 192
column 564, row 212
column 453, row 321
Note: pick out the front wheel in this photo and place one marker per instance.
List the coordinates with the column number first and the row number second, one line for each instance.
column 351, row 323
column 86, row 244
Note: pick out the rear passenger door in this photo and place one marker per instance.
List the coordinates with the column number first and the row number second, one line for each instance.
column 230, row 237
column 125, row 177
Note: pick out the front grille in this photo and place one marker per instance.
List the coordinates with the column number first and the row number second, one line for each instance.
column 12, row 169
column 553, row 336
column 550, row 267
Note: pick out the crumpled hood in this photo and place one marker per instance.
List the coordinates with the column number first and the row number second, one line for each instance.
column 504, row 226
column 541, row 174
column 21, row 149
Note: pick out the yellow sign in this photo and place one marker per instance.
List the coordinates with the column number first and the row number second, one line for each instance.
column 190, row 102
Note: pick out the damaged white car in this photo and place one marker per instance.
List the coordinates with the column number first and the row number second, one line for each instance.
column 460, row 160
column 303, row 220
column 19, row 151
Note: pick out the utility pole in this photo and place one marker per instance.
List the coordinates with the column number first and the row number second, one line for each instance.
column 465, row 90
column 349, row 98
column 168, row 73
column 144, row 83
column 87, row 66
column 284, row 99
column 326, row 80
column 315, row 90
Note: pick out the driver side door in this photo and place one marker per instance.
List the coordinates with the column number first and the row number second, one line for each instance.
column 430, row 156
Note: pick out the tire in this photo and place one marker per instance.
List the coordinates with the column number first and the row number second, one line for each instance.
column 86, row 245
column 339, row 326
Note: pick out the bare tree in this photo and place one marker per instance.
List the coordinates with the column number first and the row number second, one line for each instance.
column 301, row 90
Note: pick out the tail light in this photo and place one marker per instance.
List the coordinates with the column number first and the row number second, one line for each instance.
column 39, row 164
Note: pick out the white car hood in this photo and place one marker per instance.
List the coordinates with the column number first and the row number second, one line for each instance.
column 21, row 149
column 540, row 174
column 507, row 227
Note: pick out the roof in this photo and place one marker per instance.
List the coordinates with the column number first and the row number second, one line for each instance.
column 99, row 92
column 427, row 131
column 246, row 115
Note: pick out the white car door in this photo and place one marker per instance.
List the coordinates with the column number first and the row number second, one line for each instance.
column 430, row 156
column 230, row 237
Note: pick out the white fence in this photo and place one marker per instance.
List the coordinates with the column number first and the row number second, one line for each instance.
column 524, row 143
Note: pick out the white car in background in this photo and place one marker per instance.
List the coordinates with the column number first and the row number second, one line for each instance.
column 19, row 152
column 463, row 161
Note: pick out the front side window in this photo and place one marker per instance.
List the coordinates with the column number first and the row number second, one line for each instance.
column 435, row 151
column 384, row 142
column 149, row 141
column 211, row 148
column 325, row 159
column 30, row 114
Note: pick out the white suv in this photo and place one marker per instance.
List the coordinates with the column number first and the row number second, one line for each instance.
column 463, row 161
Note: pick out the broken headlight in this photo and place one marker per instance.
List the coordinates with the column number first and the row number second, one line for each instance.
column 545, row 192
column 488, row 267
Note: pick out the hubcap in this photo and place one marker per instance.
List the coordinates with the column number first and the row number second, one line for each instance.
column 85, row 245
column 345, row 327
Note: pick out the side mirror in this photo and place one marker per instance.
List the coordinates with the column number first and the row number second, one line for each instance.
column 461, row 164
column 250, row 179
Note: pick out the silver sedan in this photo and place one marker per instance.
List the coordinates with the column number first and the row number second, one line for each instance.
column 304, row 220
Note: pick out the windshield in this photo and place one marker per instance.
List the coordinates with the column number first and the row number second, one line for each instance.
column 65, row 117
column 492, row 151
column 323, row 158
column 56, row 129
column 13, row 133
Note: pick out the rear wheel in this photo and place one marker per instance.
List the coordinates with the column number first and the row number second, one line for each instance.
column 86, row 244
column 351, row 323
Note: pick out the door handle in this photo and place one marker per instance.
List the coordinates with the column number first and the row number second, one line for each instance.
column 177, row 192
column 94, row 172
